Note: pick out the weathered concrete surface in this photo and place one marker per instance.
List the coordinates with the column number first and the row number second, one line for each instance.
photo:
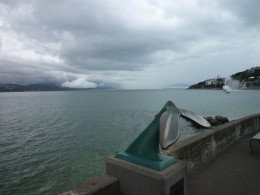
column 200, row 149
column 234, row 171
column 135, row 179
column 104, row 185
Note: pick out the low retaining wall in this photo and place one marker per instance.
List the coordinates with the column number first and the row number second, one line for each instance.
column 103, row 185
column 200, row 149
column 196, row 151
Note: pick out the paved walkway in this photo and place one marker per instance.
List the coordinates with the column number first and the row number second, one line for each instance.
column 232, row 172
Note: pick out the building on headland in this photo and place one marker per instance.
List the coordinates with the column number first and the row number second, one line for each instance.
column 210, row 82
column 215, row 83
column 251, row 80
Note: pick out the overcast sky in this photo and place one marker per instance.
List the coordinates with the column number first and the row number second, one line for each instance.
column 127, row 44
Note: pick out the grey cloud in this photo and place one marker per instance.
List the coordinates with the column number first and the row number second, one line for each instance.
column 246, row 11
column 95, row 37
column 19, row 72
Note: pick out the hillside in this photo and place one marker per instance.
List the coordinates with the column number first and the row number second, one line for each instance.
column 41, row 87
column 216, row 83
column 248, row 79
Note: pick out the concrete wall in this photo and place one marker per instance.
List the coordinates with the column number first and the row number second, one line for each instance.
column 104, row 185
column 200, row 149
column 196, row 151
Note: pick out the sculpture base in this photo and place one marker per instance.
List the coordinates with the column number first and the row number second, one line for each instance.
column 157, row 165
column 135, row 179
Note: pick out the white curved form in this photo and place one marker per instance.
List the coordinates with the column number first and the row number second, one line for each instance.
column 195, row 118
column 169, row 126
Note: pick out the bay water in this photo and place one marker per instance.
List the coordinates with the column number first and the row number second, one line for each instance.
column 52, row 141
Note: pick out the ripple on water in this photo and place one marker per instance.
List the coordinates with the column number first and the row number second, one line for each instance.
column 51, row 141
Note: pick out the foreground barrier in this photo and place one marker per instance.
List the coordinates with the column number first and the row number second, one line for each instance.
column 201, row 148
column 195, row 152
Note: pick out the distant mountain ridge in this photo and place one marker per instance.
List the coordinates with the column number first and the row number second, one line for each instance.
column 41, row 87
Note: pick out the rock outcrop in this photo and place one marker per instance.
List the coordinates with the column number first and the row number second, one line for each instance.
column 218, row 120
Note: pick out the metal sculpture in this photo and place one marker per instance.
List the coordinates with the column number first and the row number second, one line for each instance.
column 163, row 131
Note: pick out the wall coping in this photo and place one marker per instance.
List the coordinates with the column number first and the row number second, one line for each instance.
column 205, row 145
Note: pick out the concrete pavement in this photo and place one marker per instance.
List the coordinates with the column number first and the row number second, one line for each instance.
column 234, row 171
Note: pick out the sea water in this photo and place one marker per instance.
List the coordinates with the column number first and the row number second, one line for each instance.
column 52, row 141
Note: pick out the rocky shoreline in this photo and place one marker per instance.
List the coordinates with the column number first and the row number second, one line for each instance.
column 213, row 121
column 217, row 120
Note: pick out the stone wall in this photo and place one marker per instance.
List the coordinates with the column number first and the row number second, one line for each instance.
column 200, row 149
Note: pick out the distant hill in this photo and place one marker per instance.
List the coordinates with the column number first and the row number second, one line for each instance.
column 247, row 74
column 248, row 79
column 216, row 83
column 11, row 87
column 42, row 87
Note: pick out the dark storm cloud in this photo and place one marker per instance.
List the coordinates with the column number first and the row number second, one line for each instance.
column 246, row 11
column 94, row 41
column 17, row 72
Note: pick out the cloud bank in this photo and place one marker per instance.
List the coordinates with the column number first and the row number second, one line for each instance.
column 133, row 44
